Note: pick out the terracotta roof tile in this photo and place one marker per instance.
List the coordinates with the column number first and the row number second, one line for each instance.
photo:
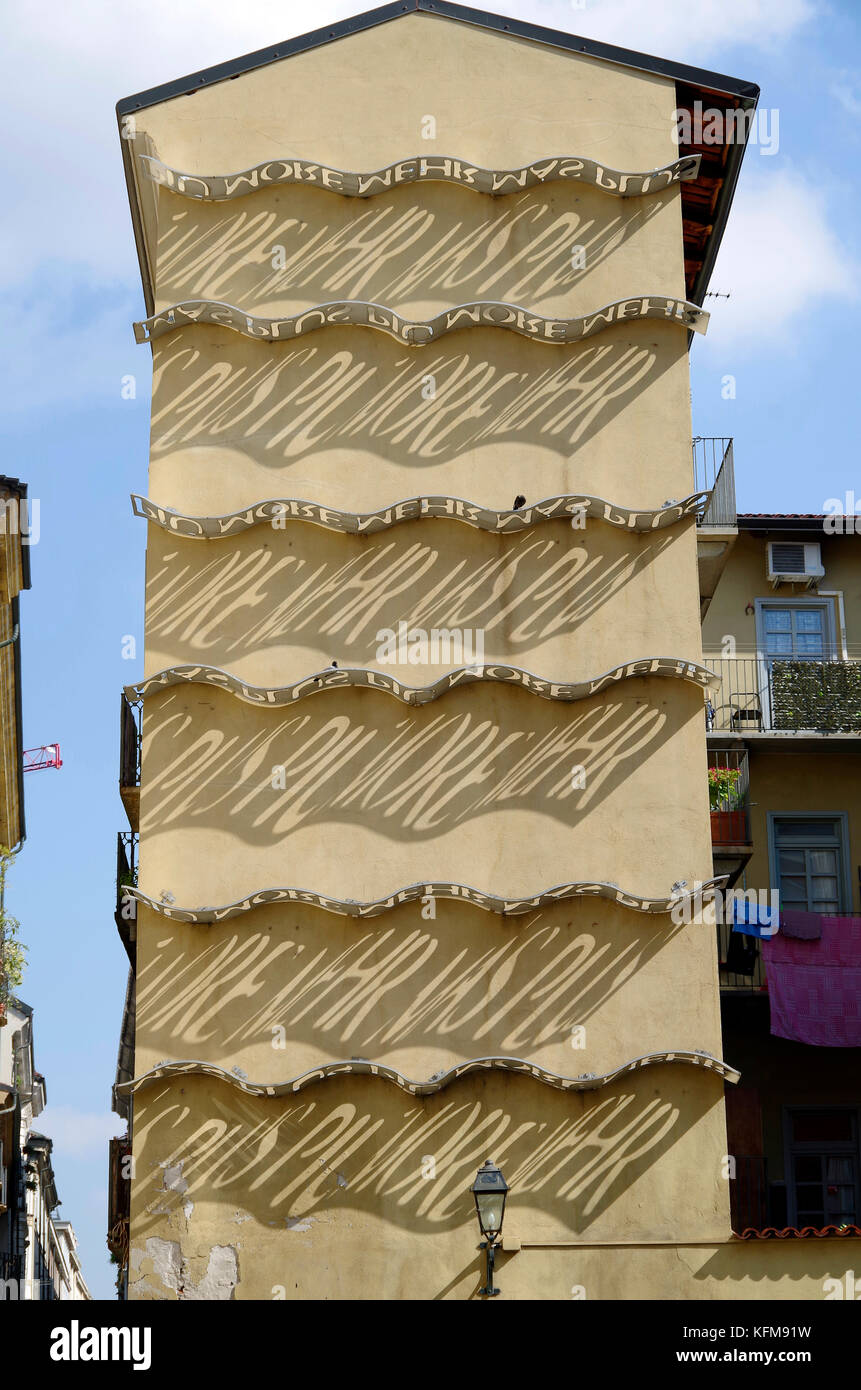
column 793, row 1232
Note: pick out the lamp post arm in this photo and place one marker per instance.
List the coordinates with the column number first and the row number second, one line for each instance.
column 489, row 1291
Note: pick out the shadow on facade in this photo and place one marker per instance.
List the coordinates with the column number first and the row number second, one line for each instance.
column 464, row 985
column 775, row 1264
column 307, row 588
column 363, row 1146
column 355, row 389
column 360, row 757
column 301, row 244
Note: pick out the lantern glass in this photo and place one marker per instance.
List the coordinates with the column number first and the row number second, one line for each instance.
column 490, row 1191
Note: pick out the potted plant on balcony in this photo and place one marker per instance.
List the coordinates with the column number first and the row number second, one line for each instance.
column 726, row 798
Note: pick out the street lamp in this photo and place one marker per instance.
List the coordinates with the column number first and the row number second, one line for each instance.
column 490, row 1191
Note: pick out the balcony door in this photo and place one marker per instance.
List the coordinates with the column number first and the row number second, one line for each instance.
column 790, row 630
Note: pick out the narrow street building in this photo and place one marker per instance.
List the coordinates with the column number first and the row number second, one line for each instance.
column 422, row 789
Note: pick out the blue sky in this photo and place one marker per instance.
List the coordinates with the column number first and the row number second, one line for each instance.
column 70, row 289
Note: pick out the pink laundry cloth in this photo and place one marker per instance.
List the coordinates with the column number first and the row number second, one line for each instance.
column 814, row 987
column 805, row 926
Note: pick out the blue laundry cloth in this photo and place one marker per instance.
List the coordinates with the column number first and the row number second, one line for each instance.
column 754, row 920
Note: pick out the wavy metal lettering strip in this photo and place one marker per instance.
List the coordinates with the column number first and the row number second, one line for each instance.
column 280, row 510
column 418, row 332
column 505, row 906
column 333, row 677
column 421, row 169
column 166, row 1071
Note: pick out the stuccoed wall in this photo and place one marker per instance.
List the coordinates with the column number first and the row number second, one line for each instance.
column 809, row 781
column 343, row 1181
column 339, row 417
column 368, row 795
column 274, row 604
column 560, row 985
column 329, row 1194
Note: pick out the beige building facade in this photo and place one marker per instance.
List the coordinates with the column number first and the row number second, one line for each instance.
column 783, row 635
column 383, row 926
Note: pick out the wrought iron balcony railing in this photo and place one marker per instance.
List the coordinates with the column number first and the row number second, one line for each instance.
column 739, row 960
column 765, row 695
column 130, row 743
column 130, row 759
column 714, row 472
column 125, row 914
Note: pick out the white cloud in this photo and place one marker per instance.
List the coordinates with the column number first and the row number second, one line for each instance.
column 846, row 89
column 693, row 30
column 78, row 1134
column 64, row 192
column 63, row 188
column 779, row 258
column 72, row 340
column 66, row 222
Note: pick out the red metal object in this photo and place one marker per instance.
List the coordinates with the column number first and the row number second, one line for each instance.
column 46, row 756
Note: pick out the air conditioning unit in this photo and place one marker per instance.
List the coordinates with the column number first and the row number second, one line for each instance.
column 794, row 562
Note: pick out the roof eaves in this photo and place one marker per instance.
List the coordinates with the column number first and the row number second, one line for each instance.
column 792, row 521
column 724, row 203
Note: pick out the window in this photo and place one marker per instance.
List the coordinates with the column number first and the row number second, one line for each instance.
column 822, row 1167
column 795, row 632
column 808, row 862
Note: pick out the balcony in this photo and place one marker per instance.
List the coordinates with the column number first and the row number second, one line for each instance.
column 119, row 1201
column 739, row 961
column 714, row 472
column 729, row 806
column 759, row 695
column 125, row 914
column 130, row 760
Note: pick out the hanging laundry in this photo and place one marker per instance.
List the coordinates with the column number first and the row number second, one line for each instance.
column 754, row 919
column 814, row 986
column 741, row 954
column 804, row 926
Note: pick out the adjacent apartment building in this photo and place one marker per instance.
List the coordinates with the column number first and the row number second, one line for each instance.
column 782, row 632
column 14, row 579
column 417, row 768
column 38, row 1252
column 39, row 1257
